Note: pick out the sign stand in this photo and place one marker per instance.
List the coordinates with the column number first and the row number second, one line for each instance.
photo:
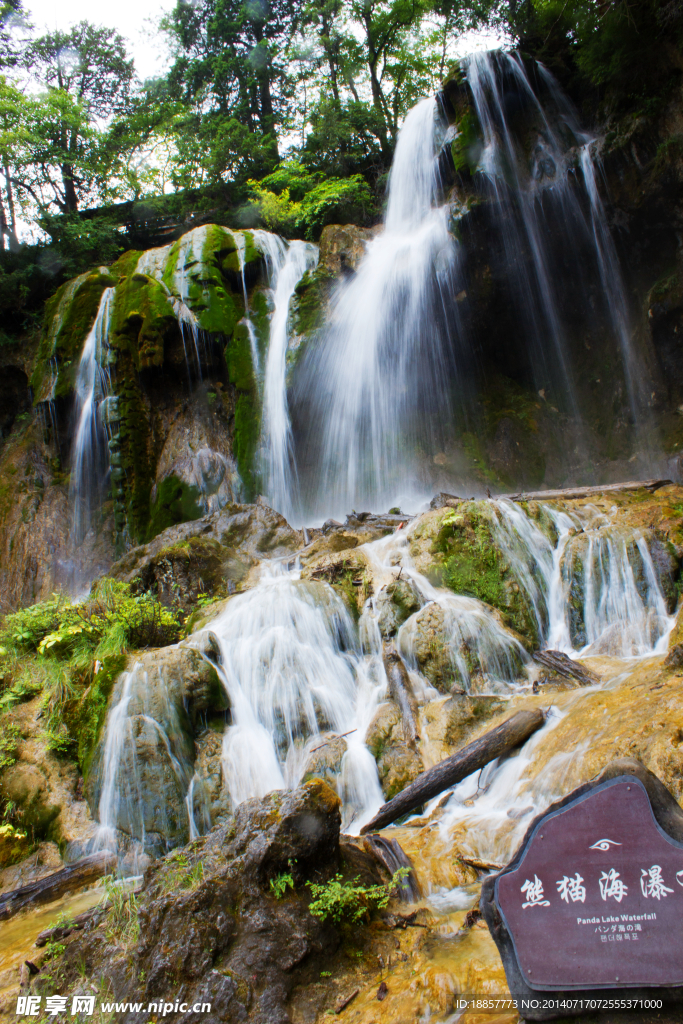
column 590, row 909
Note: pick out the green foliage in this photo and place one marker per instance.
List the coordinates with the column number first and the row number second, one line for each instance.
column 292, row 201
column 282, row 882
column 123, row 922
column 14, row 844
column 339, row 900
column 111, row 620
column 9, row 742
column 181, row 873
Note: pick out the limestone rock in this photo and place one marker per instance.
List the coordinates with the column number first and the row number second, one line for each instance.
column 397, row 763
column 450, row 723
column 325, row 763
column 395, row 603
column 205, row 555
column 342, row 247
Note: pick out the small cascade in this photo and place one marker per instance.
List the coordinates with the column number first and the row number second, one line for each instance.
column 292, row 669
column 537, row 196
column 482, row 656
column 592, row 587
column 286, row 264
column 146, row 772
column 90, row 452
column 376, row 387
column 241, row 243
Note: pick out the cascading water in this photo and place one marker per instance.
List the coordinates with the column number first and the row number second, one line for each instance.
column 90, row 455
column 537, row 200
column 286, row 263
column 145, row 773
column 374, row 385
column 592, row 587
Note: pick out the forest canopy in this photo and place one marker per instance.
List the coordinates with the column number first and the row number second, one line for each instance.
column 284, row 112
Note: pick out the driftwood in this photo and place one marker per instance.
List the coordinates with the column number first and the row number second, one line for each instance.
column 564, row 666
column 482, row 865
column 389, row 854
column 451, row 770
column 61, row 931
column 585, row 492
column 50, row 888
column 345, row 1002
column 401, row 691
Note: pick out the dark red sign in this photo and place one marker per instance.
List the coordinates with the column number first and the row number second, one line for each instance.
column 597, row 898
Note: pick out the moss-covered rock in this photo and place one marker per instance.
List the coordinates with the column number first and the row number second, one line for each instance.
column 457, row 548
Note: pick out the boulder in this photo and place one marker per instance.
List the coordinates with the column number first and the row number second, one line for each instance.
column 219, row 934
column 395, row 603
column 397, row 763
column 209, row 554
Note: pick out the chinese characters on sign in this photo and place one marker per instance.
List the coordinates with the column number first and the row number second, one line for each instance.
column 596, row 872
column 611, row 886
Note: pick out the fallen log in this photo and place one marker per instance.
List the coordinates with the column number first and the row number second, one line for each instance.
column 401, row 691
column 451, row 770
column 584, row 492
column 558, row 662
column 50, row 888
column 59, row 932
column 389, row 854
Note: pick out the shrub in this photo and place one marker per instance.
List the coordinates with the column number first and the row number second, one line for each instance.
column 340, row 900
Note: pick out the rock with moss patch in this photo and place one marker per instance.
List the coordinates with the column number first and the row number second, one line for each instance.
column 397, row 764
column 395, row 603
column 208, row 554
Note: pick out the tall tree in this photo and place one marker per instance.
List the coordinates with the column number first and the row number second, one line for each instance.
column 88, row 75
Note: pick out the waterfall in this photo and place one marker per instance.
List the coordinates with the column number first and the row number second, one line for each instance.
column 90, row 454
column 375, row 388
column 286, row 265
column 146, row 772
column 592, row 588
column 536, row 198
column 293, row 671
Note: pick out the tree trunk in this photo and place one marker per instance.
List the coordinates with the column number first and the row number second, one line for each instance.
column 449, row 772
column 401, row 691
column 13, row 240
column 45, row 890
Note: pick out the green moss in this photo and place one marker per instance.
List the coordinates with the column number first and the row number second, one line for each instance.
column 69, row 315
column 465, row 146
column 141, row 320
column 245, row 442
column 90, row 713
column 472, row 564
column 126, row 263
column 176, row 502
column 312, row 293
column 239, row 361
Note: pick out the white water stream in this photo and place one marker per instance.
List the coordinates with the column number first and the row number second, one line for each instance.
column 90, row 456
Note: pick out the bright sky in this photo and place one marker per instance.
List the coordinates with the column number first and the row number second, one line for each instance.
column 136, row 20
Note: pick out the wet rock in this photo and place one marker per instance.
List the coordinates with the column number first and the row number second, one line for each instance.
column 443, row 500
column 666, row 566
column 342, row 247
column 451, row 723
column 171, row 690
column 208, row 554
column 220, row 936
column 430, row 650
column 674, row 657
column 326, row 762
column 395, row 603
column 397, row 763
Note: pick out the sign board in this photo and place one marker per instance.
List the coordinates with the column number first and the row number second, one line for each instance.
column 596, row 898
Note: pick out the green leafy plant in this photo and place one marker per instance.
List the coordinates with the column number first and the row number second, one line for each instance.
column 282, row 882
column 341, row 900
